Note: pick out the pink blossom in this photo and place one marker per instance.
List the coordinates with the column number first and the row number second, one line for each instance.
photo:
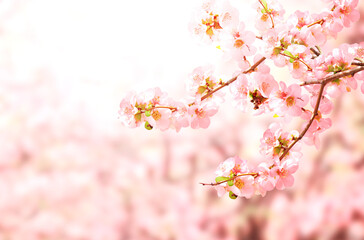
column 265, row 83
column 212, row 19
column 283, row 173
column 239, row 90
column 240, row 43
column 128, row 111
column 160, row 118
column 243, row 186
column 264, row 182
column 202, row 81
column 263, row 20
column 200, row 114
column 318, row 125
column 275, row 140
column 180, row 117
column 345, row 10
column 288, row 100
column 232, row 166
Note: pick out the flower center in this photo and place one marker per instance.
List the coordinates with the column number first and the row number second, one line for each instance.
column 239, row 183
column 264, row 17
column 200, row 113
column 156, row 115
column 238, row 43
column 296, row 65
column 282, row 173
column 211, row 23
column 290, row 101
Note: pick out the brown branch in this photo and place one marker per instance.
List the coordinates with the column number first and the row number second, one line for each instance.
column 335, row 76
column 357, row 63
column 251, row 69
column 316, row 51
column 166, row 107
column 314, row 114
column 323, row 83
column 232, row 178
column 321, row 21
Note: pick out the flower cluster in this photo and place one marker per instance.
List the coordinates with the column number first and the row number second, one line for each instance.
column 235, row 177
column 154, row 109
column 295, row 43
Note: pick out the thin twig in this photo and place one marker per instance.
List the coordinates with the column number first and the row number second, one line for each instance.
column 335, row 76
column 232, row 178
column 321, row 21
column 298, row 59
column 251, row 69
column 315, row 51
column 357, row 63
column 314, row 114
column 323, row 83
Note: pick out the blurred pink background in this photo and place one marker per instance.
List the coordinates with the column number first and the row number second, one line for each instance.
column 70, row 170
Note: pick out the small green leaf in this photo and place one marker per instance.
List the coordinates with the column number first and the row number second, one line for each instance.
column 277, row 150
column 147, row 113
column 201, row 89
column 337, row 81
column 265, row 4
column 232, row 195
column 230, row 183
column 291, row 60
column 277, row 50
column 138, row 116
column 148, row 126
column 288, row 53
column 330, row 68
column 220, row 179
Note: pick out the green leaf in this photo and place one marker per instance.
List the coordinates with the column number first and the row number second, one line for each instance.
column 138, row 116
column 147, row 113
column 277, row 50
column 265, row 4
column 330, row 68
column 201, row 89
column 148, row 126
column 289, row 53
column 220, row 179
column 232, row 195
column 230, row 183
column 277, row 150
column 291, row 60
column 337, row 81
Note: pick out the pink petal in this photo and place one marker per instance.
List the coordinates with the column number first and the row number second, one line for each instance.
column 204, row 122
column 288, row 181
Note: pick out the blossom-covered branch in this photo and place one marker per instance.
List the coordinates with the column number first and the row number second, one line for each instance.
column 294, row 43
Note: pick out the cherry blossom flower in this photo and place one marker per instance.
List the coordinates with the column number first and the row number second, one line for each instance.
column 240, row 43
column 243, row 186
column 128, row 111
column 288, row 100
column 160, row 118
column 264, row 182
column 283, row 173
column 200, row 114
column 232, row 165
column 212, row 19
column 239, row 90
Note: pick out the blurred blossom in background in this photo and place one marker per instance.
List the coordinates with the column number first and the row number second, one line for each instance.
column 70, row 170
